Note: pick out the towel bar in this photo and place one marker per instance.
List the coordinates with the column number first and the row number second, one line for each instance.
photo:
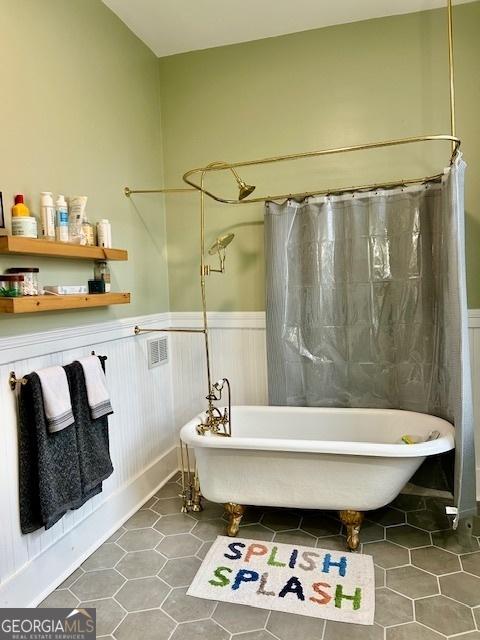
column 13, row 380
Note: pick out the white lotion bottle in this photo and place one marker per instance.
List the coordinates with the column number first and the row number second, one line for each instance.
column 61, row 226
column 104, row 234
column 47, row 215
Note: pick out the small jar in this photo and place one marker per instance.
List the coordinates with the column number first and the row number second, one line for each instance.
column 31, row 285
column 11, row 286
column 102, row 272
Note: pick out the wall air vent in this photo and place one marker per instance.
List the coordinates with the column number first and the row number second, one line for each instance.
column 157, row 351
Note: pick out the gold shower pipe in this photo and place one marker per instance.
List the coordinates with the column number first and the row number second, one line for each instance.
column 128, row 192
column 451, row 71
column 137, row 330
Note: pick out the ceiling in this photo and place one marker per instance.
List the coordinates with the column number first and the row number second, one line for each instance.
column 176, row 26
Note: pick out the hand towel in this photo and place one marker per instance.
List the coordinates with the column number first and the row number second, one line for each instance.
column 49, row 467
column 96, row 383
column 92, row 435
column 56, row 398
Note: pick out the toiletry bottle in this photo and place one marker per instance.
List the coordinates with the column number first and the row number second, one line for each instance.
column 20, row 209
column 75, row 232
column 104, row 234
column 61, row 226
column 77, row 218
column 25, row 226
column 47, row 215
column 88, row 232
column 102, row 272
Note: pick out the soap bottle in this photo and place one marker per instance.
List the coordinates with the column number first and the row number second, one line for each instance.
column 47, row 215
column 61, row 222
column 20, row 209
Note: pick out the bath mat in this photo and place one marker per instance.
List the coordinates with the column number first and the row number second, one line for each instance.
column 334, row 585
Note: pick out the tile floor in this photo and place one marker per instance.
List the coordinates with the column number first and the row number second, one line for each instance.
column 427, row 585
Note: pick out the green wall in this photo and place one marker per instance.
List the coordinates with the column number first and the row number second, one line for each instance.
column 341, row 85
column 80, row 115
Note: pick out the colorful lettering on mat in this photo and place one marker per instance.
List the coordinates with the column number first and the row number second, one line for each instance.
column 311, row 561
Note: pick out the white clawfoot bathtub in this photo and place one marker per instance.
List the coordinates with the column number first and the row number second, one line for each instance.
column 314, row 458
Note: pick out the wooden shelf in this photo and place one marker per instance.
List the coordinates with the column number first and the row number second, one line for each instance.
column 39, row 247
column 33, row 304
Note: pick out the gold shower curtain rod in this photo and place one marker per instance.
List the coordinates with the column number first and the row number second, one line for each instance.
column 315, row 154
column 225, row 166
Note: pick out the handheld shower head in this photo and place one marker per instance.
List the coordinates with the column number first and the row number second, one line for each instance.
column 221, row 243
column 219, row 384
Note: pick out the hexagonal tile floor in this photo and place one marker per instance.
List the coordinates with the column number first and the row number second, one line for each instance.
column 428, row 584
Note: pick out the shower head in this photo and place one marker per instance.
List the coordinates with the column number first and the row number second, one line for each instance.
column 221, row 243
column 244, row 189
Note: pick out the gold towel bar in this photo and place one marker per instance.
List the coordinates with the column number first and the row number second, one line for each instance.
column 13, row 380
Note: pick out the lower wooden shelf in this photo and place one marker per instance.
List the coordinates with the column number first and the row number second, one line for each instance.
column 34, row 304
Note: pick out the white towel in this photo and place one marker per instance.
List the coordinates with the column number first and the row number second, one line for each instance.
column 96, row 382
column 56, row 398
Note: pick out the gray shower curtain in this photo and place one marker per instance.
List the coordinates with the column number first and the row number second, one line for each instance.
column 366, row 307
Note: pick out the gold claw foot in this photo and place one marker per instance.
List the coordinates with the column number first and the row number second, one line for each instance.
column 352, row 520
column 235, row 515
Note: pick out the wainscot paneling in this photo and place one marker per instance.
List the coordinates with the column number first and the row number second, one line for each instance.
column 143, row 450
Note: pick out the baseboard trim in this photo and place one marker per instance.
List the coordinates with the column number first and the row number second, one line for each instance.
column 44, row 573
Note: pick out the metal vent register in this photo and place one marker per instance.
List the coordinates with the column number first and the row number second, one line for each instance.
column 157, row 350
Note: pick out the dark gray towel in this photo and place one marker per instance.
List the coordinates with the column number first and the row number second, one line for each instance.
column 49, row 482
column 59, row 471
column 92, row 435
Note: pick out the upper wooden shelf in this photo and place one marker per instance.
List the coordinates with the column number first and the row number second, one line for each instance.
column 33, row 304
column 39, row 247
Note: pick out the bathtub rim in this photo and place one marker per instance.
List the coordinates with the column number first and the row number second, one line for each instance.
column 446, row 441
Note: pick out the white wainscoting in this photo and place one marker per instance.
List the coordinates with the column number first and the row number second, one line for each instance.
column 143, row 450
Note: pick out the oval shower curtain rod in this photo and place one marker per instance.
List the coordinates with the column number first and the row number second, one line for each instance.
column 314, row 154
